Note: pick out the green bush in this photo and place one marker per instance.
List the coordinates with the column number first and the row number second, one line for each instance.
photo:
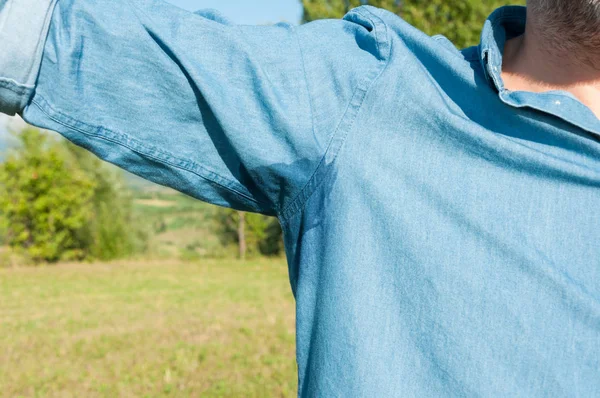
column 58, row 203
column 112, row 231
column 459, row 20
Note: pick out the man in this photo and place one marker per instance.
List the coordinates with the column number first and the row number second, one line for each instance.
column 441, row 208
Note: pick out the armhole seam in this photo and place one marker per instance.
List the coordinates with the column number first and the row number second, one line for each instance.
column 281, row 206
column 347, row 121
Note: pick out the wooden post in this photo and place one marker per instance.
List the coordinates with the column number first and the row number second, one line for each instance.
column 242, row 234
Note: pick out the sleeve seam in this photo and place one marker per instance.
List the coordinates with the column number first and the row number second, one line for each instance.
column 155, row 154
column 39, row 50
column 311, row 108
column 345, row 124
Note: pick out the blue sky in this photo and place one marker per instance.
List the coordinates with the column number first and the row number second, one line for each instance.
column 253, row 12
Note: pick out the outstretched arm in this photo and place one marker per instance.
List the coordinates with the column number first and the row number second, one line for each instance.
column 236, row 115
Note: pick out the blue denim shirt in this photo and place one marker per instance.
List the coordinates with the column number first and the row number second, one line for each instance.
column 442, row 232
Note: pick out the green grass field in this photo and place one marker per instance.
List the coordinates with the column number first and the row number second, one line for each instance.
column 210, row 329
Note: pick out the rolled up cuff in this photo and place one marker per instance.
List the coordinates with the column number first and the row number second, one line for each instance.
column 24, row 27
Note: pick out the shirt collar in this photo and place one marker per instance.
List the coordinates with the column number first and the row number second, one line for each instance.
column 504, row 24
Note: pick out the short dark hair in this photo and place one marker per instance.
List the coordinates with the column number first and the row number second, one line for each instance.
column 570, row 23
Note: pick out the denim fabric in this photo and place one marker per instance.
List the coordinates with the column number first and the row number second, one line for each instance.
column 441, row 231
column 23, row 27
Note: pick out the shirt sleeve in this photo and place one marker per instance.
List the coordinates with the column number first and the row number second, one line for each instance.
column 236, row 115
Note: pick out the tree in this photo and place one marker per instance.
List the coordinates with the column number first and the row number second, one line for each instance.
column 459, row 20
column 253, row 233
column 45, row 205
column 242, row 234
column 112, row 231
column 320, row 9
column 58, row 202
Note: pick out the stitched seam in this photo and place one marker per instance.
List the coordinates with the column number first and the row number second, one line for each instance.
column 495, row 25
column 584, row 126
column 282, row 212
column 139, row 148
column 497, row 80
column 15, row 86
column 286, row 209
column 359, row 11
column 312, row 117
column 286, row 217
column 39, row 49
column 296, row 205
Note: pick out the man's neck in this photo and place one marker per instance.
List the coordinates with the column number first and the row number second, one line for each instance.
column 535, row 62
